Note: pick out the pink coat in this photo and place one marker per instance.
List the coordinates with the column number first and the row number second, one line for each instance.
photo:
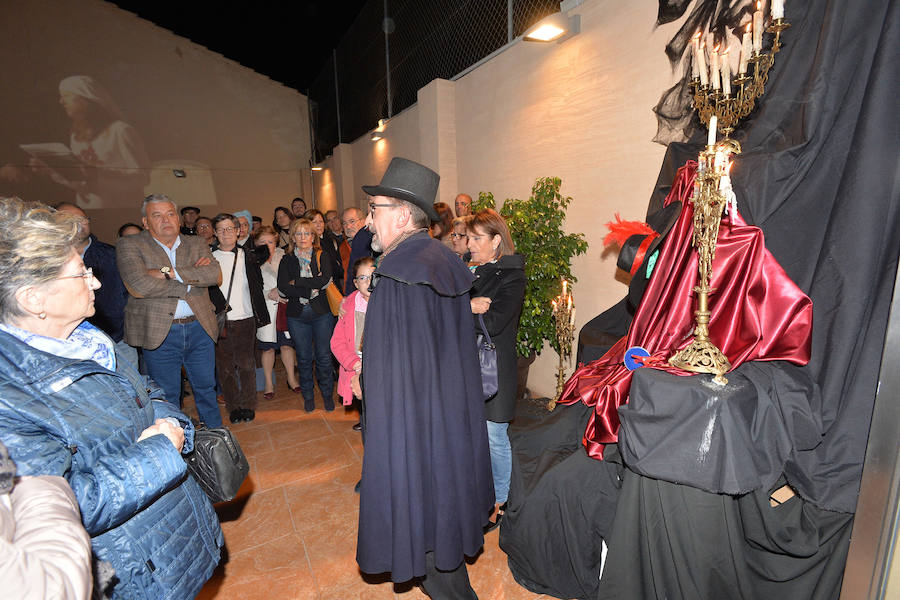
column 343, row 346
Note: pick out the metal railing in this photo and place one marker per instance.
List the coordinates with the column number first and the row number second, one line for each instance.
column 395, row 47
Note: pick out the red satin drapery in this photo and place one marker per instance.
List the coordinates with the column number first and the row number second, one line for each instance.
column 758, row 313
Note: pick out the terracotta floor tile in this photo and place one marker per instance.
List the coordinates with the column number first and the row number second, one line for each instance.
column 253, row 440
column 276, row 563
column 293, row 432
column 325, row 504
column 292, row 463
column 250, row 520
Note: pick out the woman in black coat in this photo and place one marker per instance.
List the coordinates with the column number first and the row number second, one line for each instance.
column 496, row 297
column 303, row 275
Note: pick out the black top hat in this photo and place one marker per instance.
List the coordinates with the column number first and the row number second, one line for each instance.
column 638, row 249
column 409, row 181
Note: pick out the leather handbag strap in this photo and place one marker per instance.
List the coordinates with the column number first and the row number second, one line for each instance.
column 484, row 331
column 231, row 280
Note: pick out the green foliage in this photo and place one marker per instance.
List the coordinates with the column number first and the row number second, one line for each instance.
column 536, row 226
column 485, row 200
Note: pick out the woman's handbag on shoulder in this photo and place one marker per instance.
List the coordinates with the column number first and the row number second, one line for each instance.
column 334, row 297
column 217, row 463
column 487, row 356
column 281, row 317
column 220, row 302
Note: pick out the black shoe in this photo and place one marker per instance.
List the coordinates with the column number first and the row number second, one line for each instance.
column 356, row 487
column 492, row 525
column 249, row 415
column 236, row 416
column 357, row 427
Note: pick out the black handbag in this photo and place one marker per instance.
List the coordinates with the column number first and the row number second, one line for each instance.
column 217, row 463
column 220, row 302
column 487, row 356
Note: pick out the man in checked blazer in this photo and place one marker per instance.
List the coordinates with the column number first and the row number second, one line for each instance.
column 168, row 313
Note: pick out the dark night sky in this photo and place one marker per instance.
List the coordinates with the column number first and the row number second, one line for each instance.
column 288, row 41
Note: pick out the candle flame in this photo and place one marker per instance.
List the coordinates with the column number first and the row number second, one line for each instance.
column 717, row 48
column 759, row 5
column 749, row 26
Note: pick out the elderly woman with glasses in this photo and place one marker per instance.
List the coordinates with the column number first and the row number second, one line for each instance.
column 242, row 286
column 72, row 407
column 459, row 238
column 304, row 273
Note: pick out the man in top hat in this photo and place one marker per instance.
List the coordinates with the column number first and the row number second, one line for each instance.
column 426, row 486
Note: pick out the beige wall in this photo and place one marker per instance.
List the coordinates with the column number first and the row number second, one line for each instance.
column 580, row 110
column 242, row 138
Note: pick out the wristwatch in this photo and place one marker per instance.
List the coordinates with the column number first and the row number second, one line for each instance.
column 167, row 271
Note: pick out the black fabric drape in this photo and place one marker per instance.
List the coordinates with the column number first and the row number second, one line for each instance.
column 819, row 175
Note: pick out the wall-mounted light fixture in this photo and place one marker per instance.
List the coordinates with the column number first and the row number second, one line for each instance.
column 557, row 27
column 316, row 168
column 179, row 173
column 378, row 132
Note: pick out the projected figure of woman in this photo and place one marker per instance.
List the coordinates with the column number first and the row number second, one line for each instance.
column 105, row 163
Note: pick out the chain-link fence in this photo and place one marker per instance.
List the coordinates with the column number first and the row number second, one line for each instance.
column 415, row 41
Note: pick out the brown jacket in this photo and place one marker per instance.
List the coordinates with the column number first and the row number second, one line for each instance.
column 152, row 302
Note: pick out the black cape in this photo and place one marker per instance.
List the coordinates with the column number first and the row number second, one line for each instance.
column 426, row 479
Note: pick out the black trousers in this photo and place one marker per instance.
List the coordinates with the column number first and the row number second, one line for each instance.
column 447, row 585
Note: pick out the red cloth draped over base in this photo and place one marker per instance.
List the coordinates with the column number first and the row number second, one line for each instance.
column 758, row 313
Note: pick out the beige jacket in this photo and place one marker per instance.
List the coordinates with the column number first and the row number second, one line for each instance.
column 45, row 553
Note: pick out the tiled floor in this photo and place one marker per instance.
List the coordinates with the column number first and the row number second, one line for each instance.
column 291, row 531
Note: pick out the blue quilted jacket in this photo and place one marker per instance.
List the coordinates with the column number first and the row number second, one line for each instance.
column 74, row 418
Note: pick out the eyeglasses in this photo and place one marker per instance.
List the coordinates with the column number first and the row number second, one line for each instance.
column 226, row 229
column 204, row 226
column 87, row 275
column 303, row 234
column 373, row 206
column 362, row 278
column 458, row 236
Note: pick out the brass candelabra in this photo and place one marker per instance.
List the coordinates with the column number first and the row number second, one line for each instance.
column 733, row 102
column 564, row 323
column 709, row 199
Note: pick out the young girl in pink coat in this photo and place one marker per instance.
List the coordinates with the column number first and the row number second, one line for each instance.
column 346, row 342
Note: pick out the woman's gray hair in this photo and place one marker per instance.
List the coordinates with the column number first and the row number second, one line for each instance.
column 36, row 242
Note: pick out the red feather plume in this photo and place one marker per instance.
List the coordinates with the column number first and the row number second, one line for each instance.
column 620, row 230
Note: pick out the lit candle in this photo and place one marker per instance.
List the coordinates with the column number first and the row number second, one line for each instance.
column 553, row 302
column 569, row 304
column 726, row 74
column 572, row 318
column 757, row 28
column 714, row 67
column 695, row 50
column 713, row 124
column 564, row 288
column 745, row 50
column 777, row 9
column 701, row 65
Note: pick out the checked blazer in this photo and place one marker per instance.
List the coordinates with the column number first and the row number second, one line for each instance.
column 152, row 302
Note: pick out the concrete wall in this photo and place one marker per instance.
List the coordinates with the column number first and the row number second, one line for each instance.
column 580, row 110
column 241, row 138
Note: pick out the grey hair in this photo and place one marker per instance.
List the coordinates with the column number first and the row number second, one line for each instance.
column 36, row 242
column 156, row 198
column 419, row 219
column 359, row 212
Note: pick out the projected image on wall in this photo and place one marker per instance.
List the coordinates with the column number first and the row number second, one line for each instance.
column 102, row 162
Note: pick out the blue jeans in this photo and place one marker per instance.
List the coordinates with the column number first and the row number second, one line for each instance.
column 311, row 334
column 501, row 459
column 190, row 346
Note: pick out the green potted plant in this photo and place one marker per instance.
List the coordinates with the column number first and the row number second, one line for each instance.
column 536, row 226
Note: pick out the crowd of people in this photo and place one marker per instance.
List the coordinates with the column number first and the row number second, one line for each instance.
column 96, row 341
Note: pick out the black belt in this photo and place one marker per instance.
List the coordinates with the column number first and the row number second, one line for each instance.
column 185, row 320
